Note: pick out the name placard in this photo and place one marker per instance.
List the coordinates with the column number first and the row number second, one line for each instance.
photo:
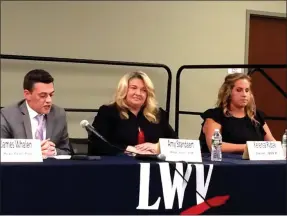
column 21, row 150
column 264, row 150
column 180, row 150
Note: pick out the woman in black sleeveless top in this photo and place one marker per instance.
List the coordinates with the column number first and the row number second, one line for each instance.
column 236, row 116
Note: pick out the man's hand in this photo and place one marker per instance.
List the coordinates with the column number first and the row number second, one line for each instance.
column 48, row 148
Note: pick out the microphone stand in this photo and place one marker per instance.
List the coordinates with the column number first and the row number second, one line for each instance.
column 75, row 156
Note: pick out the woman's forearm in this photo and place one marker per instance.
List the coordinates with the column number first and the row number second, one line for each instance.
column 232, row 148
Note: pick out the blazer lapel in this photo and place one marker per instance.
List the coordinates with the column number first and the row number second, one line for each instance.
column 49, row 124
column 26, row 120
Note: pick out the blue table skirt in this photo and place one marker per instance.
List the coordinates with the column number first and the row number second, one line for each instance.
column 112, row 186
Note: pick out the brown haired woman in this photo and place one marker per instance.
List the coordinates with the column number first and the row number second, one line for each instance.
column 235, row 116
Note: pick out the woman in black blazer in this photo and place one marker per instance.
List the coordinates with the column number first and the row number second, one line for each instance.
column 132, row 122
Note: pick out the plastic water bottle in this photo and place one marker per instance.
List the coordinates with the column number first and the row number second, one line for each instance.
column 216, row 154
column 284, row 143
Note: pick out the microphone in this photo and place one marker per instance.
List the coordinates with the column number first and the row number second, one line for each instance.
column 160, row 157
column 85, row 124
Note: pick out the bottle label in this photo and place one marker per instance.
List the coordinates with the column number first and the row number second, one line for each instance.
column 216, row 142
column 284, row 140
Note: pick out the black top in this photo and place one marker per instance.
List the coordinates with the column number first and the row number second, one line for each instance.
column 123, row 132
column 234, row 130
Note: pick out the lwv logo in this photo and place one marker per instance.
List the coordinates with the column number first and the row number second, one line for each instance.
column 171, row 188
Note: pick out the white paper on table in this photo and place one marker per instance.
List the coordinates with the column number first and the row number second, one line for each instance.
column 61, row 157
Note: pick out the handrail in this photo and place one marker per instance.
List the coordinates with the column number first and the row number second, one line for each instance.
column 200, row 113
column 76, row 110
column 253, row 67
column 260, row 70
column 101, row 62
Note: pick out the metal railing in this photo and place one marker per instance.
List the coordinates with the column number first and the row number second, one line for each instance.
column 97, row 62
column 251, row 69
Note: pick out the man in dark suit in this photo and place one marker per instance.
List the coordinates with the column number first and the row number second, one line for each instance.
column 36, row 117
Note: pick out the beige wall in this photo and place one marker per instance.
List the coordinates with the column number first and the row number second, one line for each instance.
column 173, row 33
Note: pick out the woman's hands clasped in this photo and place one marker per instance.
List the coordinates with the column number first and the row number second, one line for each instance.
column 144, row 148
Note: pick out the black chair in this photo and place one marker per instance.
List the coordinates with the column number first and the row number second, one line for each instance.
column 79, row 145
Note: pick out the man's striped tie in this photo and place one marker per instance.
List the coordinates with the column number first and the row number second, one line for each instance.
column 40, row 129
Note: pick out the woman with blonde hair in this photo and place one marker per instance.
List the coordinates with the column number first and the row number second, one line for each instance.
column 133, row 122
column 235, row 116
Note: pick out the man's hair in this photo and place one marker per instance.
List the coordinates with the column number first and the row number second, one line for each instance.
column 36, row 76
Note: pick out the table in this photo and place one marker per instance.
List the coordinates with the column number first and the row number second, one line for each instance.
column 123, row 185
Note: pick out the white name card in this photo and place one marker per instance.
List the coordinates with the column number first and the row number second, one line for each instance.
column 21, row 150
column 265, row 150
column 234, row 70
column 181, row 150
